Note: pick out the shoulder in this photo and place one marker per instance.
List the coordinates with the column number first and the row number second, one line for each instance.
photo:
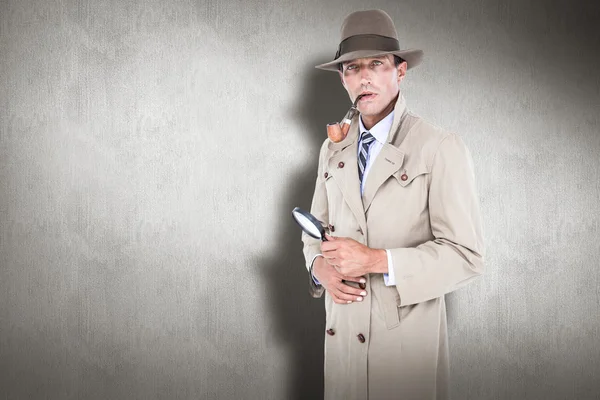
column 432, row 140
column 425, row 132
column 324, row 150
column 323, row 156
column 324, row 146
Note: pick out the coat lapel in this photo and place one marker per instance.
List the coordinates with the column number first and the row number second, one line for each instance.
column 390, row 157
column 346, row 174
column 388, row 161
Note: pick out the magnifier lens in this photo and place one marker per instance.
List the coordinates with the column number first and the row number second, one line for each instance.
column 308, row 226
column 308, row 223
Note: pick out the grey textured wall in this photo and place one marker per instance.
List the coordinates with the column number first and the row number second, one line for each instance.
column 150, row 154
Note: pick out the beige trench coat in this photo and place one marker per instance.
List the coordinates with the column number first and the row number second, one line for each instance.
column 420, row 202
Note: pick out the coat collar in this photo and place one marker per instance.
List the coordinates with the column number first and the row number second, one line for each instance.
column 390, row 157
column 389, row 160
column 394, row 136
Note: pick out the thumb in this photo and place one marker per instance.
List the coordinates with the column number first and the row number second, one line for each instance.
column 330, row 238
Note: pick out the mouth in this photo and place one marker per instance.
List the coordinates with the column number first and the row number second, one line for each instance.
column 366, row 96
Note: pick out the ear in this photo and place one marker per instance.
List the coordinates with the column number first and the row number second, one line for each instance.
column 402, row 71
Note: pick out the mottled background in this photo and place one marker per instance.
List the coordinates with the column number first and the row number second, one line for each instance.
column 151, row 152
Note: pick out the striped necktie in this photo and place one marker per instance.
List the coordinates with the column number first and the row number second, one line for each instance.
column 366, row 141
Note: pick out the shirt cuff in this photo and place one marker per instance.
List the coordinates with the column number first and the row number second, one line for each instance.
column 389, row 278
column 315, row 280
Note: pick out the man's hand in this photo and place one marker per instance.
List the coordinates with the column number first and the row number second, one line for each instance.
column 352, row 258
column 332, row 281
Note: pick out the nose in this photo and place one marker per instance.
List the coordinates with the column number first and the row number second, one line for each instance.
column 365, row 77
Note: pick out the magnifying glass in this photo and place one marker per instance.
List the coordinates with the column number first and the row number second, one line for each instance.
column 309, row 224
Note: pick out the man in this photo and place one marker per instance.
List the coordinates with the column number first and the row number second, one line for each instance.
column 398, row 195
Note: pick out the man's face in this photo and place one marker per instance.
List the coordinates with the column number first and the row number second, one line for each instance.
column 379, row 78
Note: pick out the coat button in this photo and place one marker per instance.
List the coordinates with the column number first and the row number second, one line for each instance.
column 331, row 228
column 326, row 174
column 404, row 177
column 330, row 332
column 341, row 164
column 361, row 338
column 362, row 285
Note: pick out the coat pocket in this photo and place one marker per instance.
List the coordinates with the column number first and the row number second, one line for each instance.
column 388, row 306
column 402, row 311
column 413, row 185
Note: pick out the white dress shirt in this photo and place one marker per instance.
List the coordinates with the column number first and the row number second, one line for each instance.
column 380, row 133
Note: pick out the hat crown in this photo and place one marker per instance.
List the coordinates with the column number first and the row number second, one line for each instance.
column 370, row 33
column 370, row 22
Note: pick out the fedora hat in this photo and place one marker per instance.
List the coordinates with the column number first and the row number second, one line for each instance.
column 368, row 34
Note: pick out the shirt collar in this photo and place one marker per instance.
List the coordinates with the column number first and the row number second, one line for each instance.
column 381, row 129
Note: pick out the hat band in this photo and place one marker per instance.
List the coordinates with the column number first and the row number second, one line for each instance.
column 367, row 42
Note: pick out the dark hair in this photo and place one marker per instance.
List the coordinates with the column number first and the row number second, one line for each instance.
column 397, row 61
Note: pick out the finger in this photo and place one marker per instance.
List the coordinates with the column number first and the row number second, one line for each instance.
column 348, row 293
column 337, row 300
column 335, row 244
column 357, row 279
column 329, row 246
column 339, row 239
column 334, row 254
column 352, row 291
column 332, row 261
column 348, row 269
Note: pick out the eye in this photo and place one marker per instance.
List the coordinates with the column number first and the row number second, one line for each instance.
column 351, row 67
column 376, row 62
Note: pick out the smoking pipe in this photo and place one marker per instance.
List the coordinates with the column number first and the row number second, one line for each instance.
column 337, row 131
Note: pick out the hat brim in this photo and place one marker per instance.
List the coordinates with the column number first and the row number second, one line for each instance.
column 413, row 57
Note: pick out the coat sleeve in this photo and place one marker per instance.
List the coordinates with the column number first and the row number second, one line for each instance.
column 455, row 257
column 320, row 209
